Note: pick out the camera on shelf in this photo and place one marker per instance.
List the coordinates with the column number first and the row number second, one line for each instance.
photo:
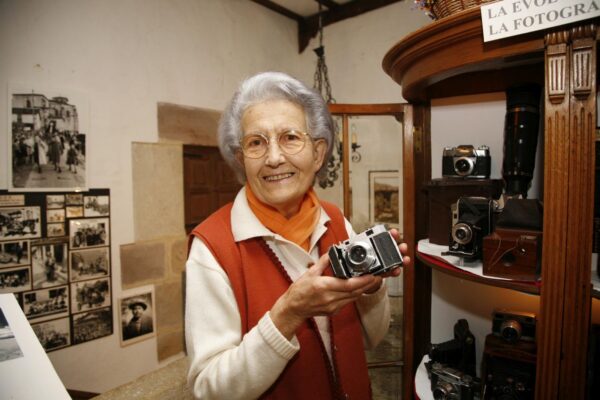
column 472, row 219
column 459, row 352
column 450, row 383
column 373, row 251
column 513, row 326
column 466, row 161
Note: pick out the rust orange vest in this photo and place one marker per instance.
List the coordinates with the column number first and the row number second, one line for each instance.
column 258, row 279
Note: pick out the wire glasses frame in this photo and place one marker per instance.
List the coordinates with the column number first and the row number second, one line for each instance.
column 290, row 142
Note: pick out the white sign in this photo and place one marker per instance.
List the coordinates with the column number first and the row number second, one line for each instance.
column 515, row 17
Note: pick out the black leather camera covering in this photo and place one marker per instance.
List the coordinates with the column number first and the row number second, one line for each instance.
column 525, row 214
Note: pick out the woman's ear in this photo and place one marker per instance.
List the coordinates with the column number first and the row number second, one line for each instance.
column 239, row 156
column 320, row 148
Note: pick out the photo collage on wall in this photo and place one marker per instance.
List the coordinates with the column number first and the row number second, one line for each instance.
column 55, row 258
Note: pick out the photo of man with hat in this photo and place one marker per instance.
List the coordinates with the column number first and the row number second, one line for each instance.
column 140, row 324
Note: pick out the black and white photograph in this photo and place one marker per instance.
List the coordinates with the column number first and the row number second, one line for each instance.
column 49, row 263
column 137, row 316
column 55, row 230
column 96, row 206
column 46, row 303
column 55, row 201
column 74, row 199
column 9, row 348
column 89, row 232
column 47, row 139
column 89, row 295
column 92, row 325
column 14, row 253
column 89, row 263
column 74, row 211
column 20, row 223
column 54, row 334
column 15, row 279
column 55, row 215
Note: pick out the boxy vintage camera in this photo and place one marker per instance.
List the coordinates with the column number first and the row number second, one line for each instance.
column 466, row 161
column 449, row 383
column 459, row 352
column 513, row 326
column 373, row 251
column 472, row 219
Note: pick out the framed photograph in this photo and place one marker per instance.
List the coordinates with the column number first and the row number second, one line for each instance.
column 92, row 325
column 20, row 223
column 15, row 279
column 137, row 315
column 89, row 232
column 55, row 215
column 46, row 138
column 55, row 201
column 89, row 263
column 54, row 334
column 14, row 253
column 41, row 305
column 89, row 295
column 9, row 348
column 74, row 211
column 96, row 206
column 55, row 230
column 384, row 198
column 49, row 263
column 74, row 199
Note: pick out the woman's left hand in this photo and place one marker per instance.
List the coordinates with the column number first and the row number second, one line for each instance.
column 394, row 272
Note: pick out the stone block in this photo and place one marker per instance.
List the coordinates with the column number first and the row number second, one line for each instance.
column 189, row 125
column 169, row 344
column 142, row 262
column 169, row 305
column 178, row 255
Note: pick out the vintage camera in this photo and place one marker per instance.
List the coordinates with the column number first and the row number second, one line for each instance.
column 373, row 251
column 466, row 161
column 459, row 352
column 472, row 219
column 449, row 383
column 513, row 326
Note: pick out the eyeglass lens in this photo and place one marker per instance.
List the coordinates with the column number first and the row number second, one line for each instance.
column 290, row 142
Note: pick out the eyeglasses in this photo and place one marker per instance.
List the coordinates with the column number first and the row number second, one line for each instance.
column 290, row 142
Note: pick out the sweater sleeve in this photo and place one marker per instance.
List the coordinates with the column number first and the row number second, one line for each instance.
column 223, row 364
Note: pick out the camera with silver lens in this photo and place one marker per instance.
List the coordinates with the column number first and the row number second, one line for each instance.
column 449, row 383
column 373, row 251
column 466, row 161
column 513, row 326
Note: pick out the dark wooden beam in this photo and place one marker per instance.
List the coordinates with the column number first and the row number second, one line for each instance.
column 309, row 26
column 279, row 9
column 329, row 4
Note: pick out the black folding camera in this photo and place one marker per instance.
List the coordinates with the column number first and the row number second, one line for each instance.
column 459, row 352
column 472, row 219
column 466, row 161
column 373, row 251
column 450, row 383
column 513, row 326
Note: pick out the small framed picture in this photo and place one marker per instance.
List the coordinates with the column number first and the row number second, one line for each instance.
column 10, row 348
column 49, row 263
column 45, row 304
column 14, row 253
column 55, row 201
column 89, row 263
column 74, row 199
column 55, row 215
column 384, row 198
column 89, row 295
column 20, row 223
column 15, row 279
column 74, row 211
column 55, row 230
column 54, row 334
column 92, row 325
column 137, row 316
column 96, row 206
column 91, row 232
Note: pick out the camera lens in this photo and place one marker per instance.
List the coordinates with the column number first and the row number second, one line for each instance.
column 510, row 330
column 443, row 391
column 463, row 166
column 462, row 233
column 358, row 254
column 360, row 258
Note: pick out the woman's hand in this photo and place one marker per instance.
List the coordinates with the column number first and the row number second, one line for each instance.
column 314, row 294
column 394, row 272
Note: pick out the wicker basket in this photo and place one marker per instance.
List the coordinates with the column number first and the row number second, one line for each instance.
column 444, row 8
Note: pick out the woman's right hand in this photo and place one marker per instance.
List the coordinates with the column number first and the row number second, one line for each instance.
column 314, row 294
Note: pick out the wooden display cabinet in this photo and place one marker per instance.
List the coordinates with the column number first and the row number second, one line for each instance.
column 449, row 58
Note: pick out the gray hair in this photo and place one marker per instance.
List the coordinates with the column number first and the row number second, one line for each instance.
column 273, row 86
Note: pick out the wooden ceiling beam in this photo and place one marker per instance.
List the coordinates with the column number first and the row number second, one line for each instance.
column 279, row 9
column 329, row 4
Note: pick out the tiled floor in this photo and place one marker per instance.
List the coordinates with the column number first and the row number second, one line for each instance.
column 386, row 381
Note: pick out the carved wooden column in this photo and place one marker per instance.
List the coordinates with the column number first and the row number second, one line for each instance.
column 570, row 100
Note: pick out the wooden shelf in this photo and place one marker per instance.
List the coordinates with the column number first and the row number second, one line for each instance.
column 449, row 269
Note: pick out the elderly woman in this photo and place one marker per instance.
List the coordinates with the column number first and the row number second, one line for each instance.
column 264, row 315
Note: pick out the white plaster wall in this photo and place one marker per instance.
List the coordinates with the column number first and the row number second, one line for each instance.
column 127, row 56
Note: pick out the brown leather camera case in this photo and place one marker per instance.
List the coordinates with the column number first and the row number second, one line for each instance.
column 444, row 192
column 513, row 254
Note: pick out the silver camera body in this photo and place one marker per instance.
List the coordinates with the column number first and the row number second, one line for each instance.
column 466, row 161
column 373, row 251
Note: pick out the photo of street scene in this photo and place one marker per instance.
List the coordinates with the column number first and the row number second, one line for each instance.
column 9, row 348
column 49, row 264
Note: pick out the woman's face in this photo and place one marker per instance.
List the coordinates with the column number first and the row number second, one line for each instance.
column 278, row 179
